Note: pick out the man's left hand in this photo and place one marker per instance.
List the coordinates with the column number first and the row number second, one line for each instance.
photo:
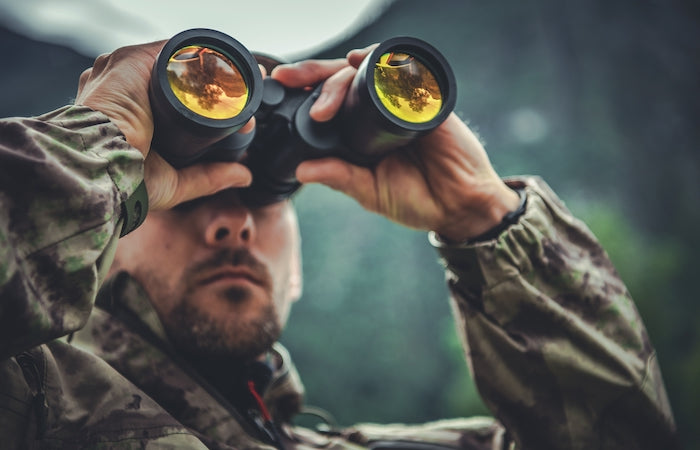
column 442, row 182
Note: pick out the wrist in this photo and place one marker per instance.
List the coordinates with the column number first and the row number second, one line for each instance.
column 502, row 211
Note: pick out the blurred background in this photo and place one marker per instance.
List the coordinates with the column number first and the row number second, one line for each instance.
column 601, row 98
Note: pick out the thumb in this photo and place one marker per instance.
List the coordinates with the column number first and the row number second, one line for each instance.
column 199, row 180
column 208, row 178
column 355, row 181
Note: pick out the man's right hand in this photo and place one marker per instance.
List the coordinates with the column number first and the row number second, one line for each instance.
column 117, row 85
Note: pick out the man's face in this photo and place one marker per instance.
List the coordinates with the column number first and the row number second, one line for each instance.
column 220, row 275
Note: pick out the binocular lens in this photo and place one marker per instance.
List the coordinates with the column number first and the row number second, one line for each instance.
column 207, row 82
column 407, row 88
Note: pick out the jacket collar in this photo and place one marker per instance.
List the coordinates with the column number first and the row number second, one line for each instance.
column 126, row 332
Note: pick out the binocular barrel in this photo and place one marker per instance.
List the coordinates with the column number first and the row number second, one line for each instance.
column 205, row 86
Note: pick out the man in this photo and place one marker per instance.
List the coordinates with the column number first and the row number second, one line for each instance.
column 180, row 349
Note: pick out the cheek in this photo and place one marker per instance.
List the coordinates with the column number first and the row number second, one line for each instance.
column 156, row 247
column 279, row 241
column 153, row 251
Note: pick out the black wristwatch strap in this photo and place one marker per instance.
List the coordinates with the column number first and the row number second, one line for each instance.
column 508, row 220
column 134, row 209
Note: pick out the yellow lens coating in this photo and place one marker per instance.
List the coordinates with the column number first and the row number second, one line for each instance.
column 207, row 82
column 407, row 88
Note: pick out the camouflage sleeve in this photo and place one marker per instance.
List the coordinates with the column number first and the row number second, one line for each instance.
column 63, row 178
column 556, row 346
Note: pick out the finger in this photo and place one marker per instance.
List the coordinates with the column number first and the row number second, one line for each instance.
column 263, row 70
column 208, row 178
column 332, row 95
column 193, row 182
column 248, row 127
column 307, row 73
column 355, row 181
column 356, row 56
column 101, row 62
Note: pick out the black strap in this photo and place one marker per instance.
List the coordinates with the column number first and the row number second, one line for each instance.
column 134, row 209
column 509, row 219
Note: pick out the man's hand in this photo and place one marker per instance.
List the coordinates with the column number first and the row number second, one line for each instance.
column 442, row 182
column 117, row 85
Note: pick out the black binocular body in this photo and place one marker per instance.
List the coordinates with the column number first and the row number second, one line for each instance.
column 205, row 86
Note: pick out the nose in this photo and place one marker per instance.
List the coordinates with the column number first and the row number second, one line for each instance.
column 230, row 226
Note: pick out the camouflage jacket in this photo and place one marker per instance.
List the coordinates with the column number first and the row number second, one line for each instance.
column 552, row 337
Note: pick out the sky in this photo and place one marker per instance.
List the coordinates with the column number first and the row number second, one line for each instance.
column 278, row 27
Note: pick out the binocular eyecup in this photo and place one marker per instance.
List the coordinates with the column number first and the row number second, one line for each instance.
column 205, row 86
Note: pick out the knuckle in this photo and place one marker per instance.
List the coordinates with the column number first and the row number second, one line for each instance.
column 85, row 75
column 83, row 80
column 101, row 62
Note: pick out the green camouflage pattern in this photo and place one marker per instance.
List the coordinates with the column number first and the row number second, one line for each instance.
column 63, row 177
column 556, row 346
column 554, row 342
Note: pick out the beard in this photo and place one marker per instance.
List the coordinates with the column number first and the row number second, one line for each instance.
column 198, row 335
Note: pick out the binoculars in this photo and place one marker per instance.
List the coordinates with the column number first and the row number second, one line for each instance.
column 205, row 86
